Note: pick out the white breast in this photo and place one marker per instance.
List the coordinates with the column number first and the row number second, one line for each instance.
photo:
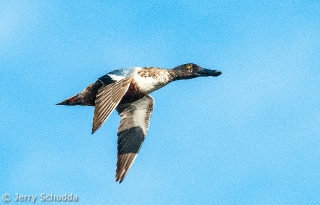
column 146, row 84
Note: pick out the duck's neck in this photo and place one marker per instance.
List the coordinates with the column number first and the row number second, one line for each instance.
column 179, row 75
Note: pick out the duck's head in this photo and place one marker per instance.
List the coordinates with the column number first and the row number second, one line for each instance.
column 191, row 70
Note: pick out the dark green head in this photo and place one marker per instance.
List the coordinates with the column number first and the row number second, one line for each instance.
column 191, row 70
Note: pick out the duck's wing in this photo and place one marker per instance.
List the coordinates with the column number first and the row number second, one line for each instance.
column 134, row 125
column 107, row 99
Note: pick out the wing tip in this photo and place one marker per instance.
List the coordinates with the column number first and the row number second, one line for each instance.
column 119, row 179
column 93, row 130
column 120, row 175
column 95, row 126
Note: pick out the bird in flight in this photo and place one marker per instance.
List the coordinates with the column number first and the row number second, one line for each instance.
column 127, row 90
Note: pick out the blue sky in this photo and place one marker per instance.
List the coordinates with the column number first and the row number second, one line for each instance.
column 249, row 136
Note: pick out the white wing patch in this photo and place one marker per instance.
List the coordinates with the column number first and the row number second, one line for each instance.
column 115, row 77
column 123, row 73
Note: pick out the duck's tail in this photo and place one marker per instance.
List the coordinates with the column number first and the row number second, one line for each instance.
column 86, row 97
column 74, row 100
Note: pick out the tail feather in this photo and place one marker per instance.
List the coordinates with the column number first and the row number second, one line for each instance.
column 74, row 100
column 86, row 97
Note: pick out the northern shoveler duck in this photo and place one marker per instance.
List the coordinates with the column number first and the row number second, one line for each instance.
column 127, row 91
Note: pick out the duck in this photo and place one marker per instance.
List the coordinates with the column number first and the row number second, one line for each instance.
column 127, row 91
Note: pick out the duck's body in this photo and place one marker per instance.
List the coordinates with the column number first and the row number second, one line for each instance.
column 127, row 91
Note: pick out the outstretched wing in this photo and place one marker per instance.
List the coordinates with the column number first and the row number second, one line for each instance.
column 107, row 99
column 134, row 125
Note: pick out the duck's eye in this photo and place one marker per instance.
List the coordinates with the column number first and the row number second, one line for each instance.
column 188, row 66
